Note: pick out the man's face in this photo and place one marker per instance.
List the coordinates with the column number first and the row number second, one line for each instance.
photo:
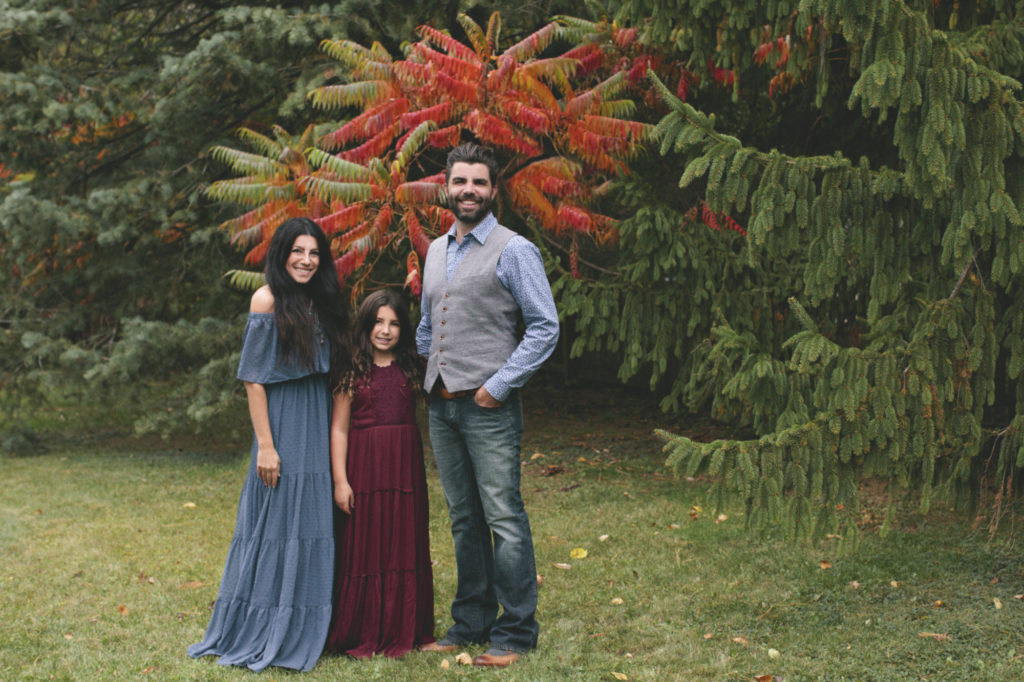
column 470, row 191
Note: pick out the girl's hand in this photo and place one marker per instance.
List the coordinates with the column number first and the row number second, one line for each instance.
column 268, row 466
column 344, row 497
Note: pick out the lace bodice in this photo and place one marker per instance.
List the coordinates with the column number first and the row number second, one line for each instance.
column 385, row 398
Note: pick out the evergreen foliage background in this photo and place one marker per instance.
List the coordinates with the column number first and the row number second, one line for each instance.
column 868, row 325
column 823, row 249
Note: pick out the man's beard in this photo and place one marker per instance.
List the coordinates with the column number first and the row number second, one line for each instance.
column 474, row 216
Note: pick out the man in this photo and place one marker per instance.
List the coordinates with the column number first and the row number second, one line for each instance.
column 477, row 279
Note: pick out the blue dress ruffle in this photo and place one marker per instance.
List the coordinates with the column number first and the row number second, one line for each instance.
column 274, row 602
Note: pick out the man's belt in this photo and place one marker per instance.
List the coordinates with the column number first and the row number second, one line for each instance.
column 452, row 395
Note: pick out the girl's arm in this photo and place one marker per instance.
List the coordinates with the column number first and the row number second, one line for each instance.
column 340, row 418
column 268, row 462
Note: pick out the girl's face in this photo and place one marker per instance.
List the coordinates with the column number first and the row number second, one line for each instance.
column 386, row 330
column 303, row 259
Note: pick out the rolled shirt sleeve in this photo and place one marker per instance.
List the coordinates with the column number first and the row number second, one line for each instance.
column 521, row 270
column 423, row 329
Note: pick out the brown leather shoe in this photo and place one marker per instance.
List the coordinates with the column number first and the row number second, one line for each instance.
column 496, row 658
column 442, row 647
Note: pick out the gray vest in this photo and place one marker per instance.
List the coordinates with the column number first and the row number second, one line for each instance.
column 472, row 317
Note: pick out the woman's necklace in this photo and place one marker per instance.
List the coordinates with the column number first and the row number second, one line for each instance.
column 316, row 323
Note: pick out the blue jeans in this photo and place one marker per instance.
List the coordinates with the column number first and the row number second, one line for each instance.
column 477, row 453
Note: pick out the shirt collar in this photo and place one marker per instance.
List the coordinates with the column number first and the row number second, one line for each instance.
column 482, row 230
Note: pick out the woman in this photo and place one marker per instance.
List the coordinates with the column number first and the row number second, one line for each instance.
column 274, row 603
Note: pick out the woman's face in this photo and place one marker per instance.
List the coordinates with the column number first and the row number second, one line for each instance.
column 304, row 259
column 386, row 330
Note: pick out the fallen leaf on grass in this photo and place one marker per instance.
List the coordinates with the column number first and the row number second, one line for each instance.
column 146, row 671
column 562, row 566
column 854, row 584
column 581, row 459
column 464, row 659
column 191, row 585
column 1018, row 596
column 825, row 565
column 445, row 664
column 619, row 676
column 773, row 654
column 893, row 583
column 695, row 511
column 741, row 640
column 536, row 455
column 993, row 581
column 122, row 609
column 721, row 518
column 540, row 580
column 708, row 635
column 551, row 470
column 578, row 553
column 937, row 603
column 673, row 526
column 68, row 635
column 998, row 604
column 617, row 601
column 189, row 505
column 605, row 537
column 937, row 636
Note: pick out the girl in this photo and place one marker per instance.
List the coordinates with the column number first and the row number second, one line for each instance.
column 274, row 603
column 384, row 595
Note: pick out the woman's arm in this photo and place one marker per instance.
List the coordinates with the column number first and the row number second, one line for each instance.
column 340, row 419
column 268, row 462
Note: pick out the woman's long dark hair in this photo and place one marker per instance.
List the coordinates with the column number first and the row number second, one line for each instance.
column 362, row 350
column 294, row 303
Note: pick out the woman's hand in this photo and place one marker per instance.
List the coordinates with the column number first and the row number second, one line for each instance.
column 344, row 497
column 268, row 466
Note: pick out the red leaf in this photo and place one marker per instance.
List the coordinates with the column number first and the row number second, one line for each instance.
column 343, row 219
column 412, row 277
column 417, row 235
column 348, row 263
column 438, row 113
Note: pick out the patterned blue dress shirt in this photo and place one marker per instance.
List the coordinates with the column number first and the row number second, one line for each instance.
column 520, row 269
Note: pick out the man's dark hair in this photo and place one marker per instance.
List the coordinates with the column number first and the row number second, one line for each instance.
column 470, row 152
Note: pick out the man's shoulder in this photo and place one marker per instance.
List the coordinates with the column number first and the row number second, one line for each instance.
column 438, row 242
column 518, row 245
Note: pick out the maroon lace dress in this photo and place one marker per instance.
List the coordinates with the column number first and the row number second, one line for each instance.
column 383, row 586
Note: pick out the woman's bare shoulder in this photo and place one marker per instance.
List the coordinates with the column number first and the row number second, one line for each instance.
column 262, row 301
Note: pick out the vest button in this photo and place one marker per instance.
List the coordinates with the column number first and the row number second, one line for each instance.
column 442, row 321
column 444, row 309
column 442, row 336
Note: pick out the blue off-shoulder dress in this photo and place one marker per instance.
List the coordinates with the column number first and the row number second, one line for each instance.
column 274, row 603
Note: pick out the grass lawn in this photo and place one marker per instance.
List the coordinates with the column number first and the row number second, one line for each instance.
column 111, row 551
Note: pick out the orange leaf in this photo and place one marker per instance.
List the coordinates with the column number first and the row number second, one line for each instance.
column 937, row 636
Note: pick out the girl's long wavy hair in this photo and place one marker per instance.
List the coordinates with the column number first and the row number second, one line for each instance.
column 362, row 350
column 297, row 307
